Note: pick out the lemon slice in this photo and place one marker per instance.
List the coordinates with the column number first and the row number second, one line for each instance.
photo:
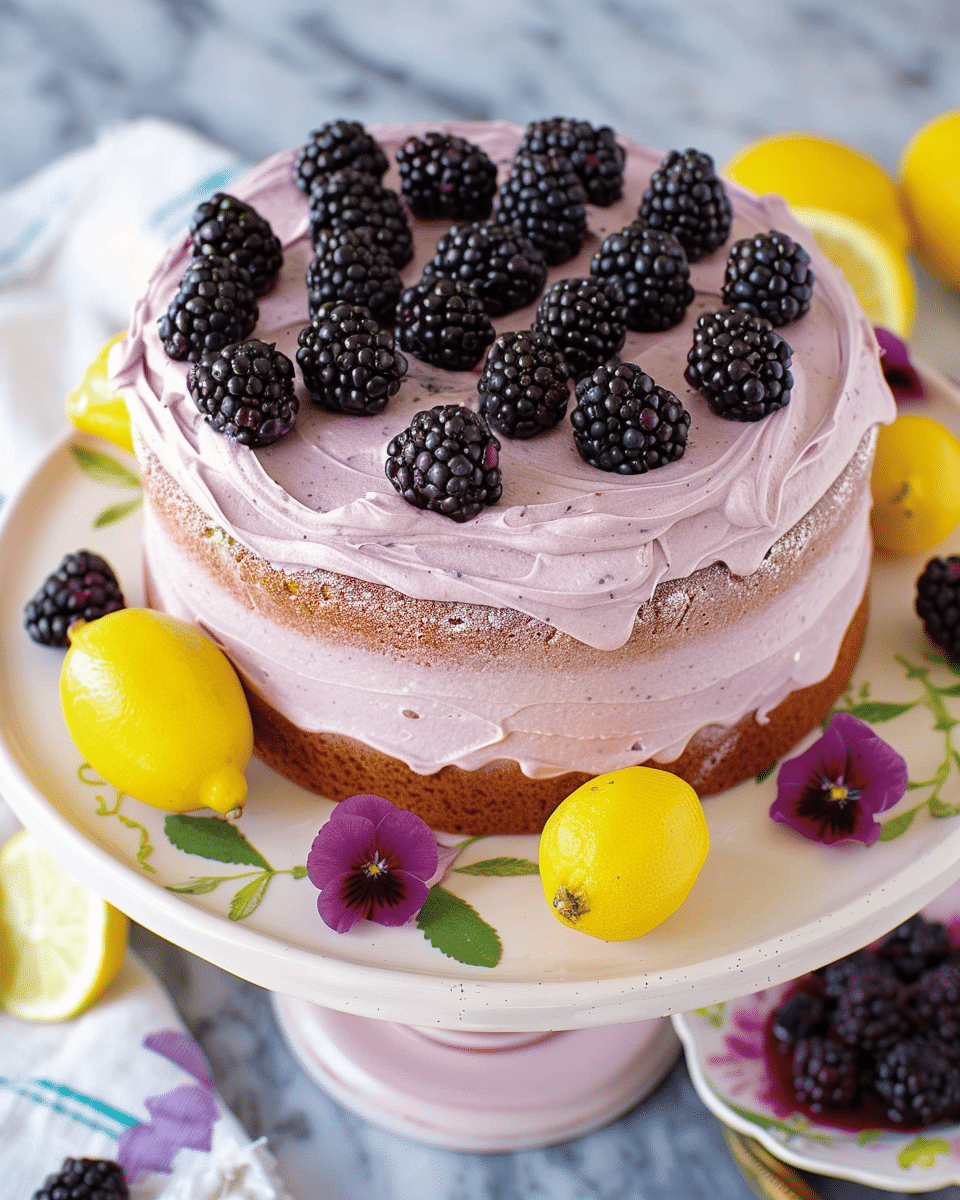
column 60, row 944
column 879, row 275
column 94, row 407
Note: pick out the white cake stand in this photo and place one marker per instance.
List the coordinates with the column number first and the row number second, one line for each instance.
column 768, row 905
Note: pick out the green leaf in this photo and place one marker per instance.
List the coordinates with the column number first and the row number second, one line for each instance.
column 199, row 887
column 299, row 871
column 945, row 724
column 117, row 512
column 762, row 775
column 500, row 866
column 469, row 841
column 249, row 896
column 876, row 711
column 897, row 826
column 457, row 930
column 939, row 809
column 103, row 468
column 922, row 1152
column 954, row 690
column 212, row 837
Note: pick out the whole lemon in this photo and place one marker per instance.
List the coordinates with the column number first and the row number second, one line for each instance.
column 156, row 708
column 621, row 853
column 930, row 186
column 915, row 485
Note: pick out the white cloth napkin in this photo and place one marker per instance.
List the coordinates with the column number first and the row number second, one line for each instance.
column 77, row 243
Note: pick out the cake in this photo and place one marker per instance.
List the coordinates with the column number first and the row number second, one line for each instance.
column 702, row 617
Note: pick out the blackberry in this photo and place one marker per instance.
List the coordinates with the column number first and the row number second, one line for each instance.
column 824, row 1073
column 544, row 197
column 213, row 307
column 226, row 226
column 920, row 1082
column 336, row 145
column 624, row 422
column 245, row 392
column 499, row 262
column 359, row 201
column 685, row 198
column 836, row 975
column 799, row 1016
column 348, row 363
column 443, row 322
column 871, row 1010
column 595, row 155
column 740, row 364
column 346, row 268
column 914, row 946
column 442, row 175
column 586, row 318
column 85, row 1179
column 83, row 587
column 935, row 1002
column 769, row 276
column 446, row 461
column 652, row 270
column 938, row 603
column 524, row 387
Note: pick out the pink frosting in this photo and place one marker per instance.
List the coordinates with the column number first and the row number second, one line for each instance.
column 572, row 546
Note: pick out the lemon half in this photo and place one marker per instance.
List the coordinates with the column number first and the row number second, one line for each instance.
column 930, row 186
column 61, row 945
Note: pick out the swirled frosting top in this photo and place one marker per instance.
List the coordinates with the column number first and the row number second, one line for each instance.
column 575, row 547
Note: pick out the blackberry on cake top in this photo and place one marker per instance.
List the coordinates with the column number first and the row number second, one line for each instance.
column 348, row 362
column 651, row 267
column 446, row 461
column 443, row 175
column 769, row 275
column 229, row 227
column 336, row 145
column 83, row 587
column 444, row 322
column 741, row 364
column 524, row 387
column 214, row 306
column 349, row 197
column 347, row 267
column 587, row 320
column 596, row 156
column 544, row 197
column 686, row 198
column 624, row 422
column 499, row 262
column 245, row 392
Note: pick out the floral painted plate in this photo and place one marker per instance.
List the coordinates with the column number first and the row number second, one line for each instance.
column 724, row 1050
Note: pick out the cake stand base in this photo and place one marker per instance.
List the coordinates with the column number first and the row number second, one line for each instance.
column 488, row 1092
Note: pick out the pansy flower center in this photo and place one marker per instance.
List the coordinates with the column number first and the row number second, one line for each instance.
column 377, row 865
column 838, row 791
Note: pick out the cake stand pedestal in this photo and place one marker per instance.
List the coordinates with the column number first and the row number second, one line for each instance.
column 484, row 1092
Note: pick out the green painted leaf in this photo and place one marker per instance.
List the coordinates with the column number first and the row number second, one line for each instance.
column 796, row 1125
column 117, row 512
column 469, row 841
column 897, row 826
column 103, row 468
column 922, row 1152
column 954, row 690
column 713, row 1014
column 457, row 930
column 199, row 887
column 500, row 866
column 212, row 837
column 249, row 897
column 146, row 848
column 945, row 724
column 299, row 871
column 866, row 1136
column 939, row 809
column 876, row 711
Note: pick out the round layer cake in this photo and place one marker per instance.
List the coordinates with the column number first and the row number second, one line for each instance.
column 703, row 616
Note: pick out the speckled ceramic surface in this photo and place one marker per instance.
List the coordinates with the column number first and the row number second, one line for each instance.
column 768, row 905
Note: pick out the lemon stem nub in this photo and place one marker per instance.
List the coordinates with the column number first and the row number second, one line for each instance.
column 225, row 790
column 570, row 905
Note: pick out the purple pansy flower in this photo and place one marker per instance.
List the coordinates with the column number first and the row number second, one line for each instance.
column 376, row 861
column 833, row 791
column 898, row 370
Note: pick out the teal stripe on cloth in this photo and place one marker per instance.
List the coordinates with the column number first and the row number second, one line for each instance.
column 55, row 1095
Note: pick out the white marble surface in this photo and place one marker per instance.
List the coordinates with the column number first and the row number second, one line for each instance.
column 258, row 76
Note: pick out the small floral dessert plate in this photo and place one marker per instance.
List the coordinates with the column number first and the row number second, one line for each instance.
column 724, row 1047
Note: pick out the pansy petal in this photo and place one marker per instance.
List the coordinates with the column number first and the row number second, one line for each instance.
column 898, row 370
column 413, row 899
column 446, row 857
column 827, row 755
column 410, row 840
column 337, row 846
column 365, row 804
column 882, row 773
column 341, row 917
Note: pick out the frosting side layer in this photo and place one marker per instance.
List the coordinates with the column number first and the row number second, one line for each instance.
column 568, row 545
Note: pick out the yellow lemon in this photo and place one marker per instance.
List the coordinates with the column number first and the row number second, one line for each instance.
column 620, row 854
column 878, row 273
column 930, row 186
column 817, row 172
column 915, row 485
column 158, row 710
column 94, row 407
column 60, row 944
